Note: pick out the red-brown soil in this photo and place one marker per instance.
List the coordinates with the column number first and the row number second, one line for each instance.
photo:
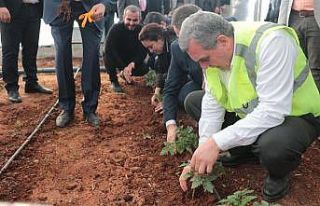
column 114, row 164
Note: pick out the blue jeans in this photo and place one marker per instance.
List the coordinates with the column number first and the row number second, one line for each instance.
column 90, row 78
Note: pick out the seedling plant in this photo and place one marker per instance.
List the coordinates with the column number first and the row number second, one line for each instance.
column 150, row 78
column 205, row 181
column 186, row 141
column 243, row 198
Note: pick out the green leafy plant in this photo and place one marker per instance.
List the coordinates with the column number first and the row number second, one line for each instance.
column 150, row 78
column 243, row 198
column 239, row 198
column 206, row 181
column 186, row 141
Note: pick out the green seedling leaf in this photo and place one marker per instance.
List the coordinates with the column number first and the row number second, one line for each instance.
column 206, row 181
column 169, row 148
column 239, row 198
column 150, row 78
column 186, row 141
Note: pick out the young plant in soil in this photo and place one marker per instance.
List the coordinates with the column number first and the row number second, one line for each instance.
column 150, row 78
column 243, row 198
column 206, row 181
column 186, row 141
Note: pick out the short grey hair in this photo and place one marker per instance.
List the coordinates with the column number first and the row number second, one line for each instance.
column 182, row 12
column 204, row 28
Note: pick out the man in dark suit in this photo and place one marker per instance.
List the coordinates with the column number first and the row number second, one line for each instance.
column 184, row 75
column 20, row 23
column 61, row 14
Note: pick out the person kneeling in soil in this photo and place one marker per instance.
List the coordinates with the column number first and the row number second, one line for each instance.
column 158, row 40
column 260, row 73
column 184, row 75
column 123, row 51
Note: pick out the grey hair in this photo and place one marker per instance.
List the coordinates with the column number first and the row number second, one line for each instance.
column 204, row 28
column 182, row 12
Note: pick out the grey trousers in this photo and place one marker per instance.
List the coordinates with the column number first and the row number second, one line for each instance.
column 309, row 36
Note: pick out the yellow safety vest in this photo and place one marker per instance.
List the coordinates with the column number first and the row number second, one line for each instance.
column 240, row 94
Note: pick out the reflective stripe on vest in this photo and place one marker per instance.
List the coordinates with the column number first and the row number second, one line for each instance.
column 249, row 55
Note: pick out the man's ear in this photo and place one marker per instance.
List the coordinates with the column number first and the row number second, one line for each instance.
column 223, row 40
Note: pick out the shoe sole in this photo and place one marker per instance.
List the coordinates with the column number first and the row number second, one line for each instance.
column 276, row 197
column 66, row 124
column 15, row 101
column 33, row 92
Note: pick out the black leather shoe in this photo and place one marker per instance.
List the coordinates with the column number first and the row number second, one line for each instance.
column 275, row 188
column 92, row 119
column 115, row 86
column 236, row 160
column 64, row 118
column 13, row 96
column 36, row 88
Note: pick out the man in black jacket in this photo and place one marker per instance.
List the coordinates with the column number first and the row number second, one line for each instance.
column 20, row 23
column 184, row 75
column 123, row 50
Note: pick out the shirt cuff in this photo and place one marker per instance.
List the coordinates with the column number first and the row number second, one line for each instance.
column 171, row 121
column 222, row 140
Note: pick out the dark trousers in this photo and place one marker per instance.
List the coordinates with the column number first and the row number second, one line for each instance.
column 108, row 22
column 90, row 78
column 24, row 28
column 189, row 87
column 280, row 148
column 309, row 35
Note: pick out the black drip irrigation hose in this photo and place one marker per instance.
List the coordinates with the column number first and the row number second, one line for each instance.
column 6, row 165
column 50, row 70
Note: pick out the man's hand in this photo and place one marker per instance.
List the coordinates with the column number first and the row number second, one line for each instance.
column 98, row 11
column 159, row 108
column 205, row 156
column 183, row 179
column 127, row 72
column 154, row 100
column 5, row 16
column 171, row 132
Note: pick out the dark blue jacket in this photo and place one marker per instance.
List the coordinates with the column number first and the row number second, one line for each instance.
column 182, row 69
column 50, row 12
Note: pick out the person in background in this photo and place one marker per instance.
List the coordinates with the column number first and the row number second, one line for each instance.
column 184, row 75
column 155, row 17
column 109, row 17
column 273, row 11
column 270, row 88
column 61, row 16
column 304, row 17
column 123, row 51
column 20, row 23
column 122, row 4
column 158, row 41
column 208, row 5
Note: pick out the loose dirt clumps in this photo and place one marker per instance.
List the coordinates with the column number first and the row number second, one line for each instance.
column 119, row 163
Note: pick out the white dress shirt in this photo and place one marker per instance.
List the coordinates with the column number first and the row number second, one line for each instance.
column 275, row 77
